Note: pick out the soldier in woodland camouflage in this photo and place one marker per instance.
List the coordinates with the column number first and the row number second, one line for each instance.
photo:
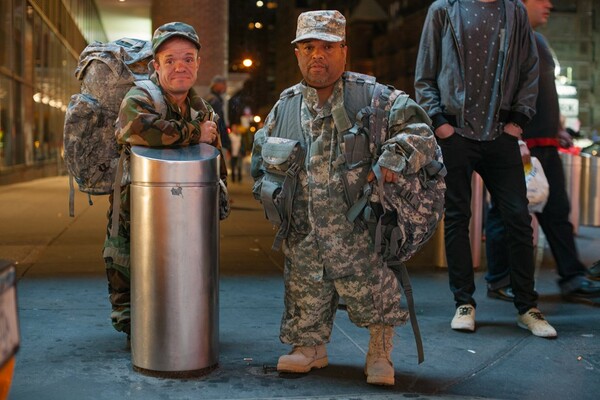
column 187, row 122
column 327, row 256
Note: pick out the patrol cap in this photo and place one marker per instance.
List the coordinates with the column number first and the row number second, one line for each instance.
column 328, row 25
column 172, row 29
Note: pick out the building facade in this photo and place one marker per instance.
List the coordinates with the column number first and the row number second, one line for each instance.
column 40, row 42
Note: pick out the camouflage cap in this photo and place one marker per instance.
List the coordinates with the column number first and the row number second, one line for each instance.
column 172, row 29
column 328, row 25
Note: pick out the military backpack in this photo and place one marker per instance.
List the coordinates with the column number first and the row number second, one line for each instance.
column 107, row 71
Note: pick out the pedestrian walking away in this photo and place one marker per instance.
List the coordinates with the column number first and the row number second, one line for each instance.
column 477, row 78
column 218, row 87
column 305, row 162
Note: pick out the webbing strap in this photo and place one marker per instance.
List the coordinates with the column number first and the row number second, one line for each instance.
column 402, row 275
column 155, row 93
column 357, row 208
column 71, row 197
column 114, row 228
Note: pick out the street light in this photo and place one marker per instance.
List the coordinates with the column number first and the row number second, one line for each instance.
column 247, row 62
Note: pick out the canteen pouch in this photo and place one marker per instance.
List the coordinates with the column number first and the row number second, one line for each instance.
column 282, row 161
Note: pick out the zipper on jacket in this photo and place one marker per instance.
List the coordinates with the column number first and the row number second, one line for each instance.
column 461, row 67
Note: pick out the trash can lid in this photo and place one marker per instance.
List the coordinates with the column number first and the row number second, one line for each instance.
column 199, row 152
column 190, row 164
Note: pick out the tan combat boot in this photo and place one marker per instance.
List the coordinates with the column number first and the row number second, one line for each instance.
column 379, row 368
column 303, row 358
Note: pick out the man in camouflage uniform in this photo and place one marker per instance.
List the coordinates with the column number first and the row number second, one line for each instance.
column 326, row 255
column 187, row 122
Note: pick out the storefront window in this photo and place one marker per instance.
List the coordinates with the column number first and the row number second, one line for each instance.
column 5, row 121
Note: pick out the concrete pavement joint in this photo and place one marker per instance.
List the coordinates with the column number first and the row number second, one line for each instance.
column 337, row 326
column 476, row 371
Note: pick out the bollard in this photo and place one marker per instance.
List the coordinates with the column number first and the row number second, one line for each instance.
column 174, row 260
column 572, row 168
column 590, row 190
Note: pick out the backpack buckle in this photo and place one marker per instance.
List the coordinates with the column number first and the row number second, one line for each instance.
column 292, row 171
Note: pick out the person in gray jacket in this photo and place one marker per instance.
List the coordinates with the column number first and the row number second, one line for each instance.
column 477, row 78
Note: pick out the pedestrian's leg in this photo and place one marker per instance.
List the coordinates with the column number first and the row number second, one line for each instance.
column 458, row 155
column 502, row 171
column 496, row 249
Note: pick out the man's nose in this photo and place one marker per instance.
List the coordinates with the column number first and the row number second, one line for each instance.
column 318, row 52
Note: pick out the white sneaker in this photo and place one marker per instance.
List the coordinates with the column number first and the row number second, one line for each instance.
column 534, row 321
column 464, row 319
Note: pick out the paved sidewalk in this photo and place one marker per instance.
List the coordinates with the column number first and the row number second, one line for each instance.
column 70, row 351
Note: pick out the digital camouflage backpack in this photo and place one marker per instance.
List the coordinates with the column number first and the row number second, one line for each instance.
column 107, row 71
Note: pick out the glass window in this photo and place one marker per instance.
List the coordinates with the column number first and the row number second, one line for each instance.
column 5, row 29
column 5, row 121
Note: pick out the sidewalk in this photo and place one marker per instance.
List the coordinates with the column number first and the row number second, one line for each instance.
column 70, row 351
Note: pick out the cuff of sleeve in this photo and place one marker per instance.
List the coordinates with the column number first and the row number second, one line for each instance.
column 518, row 118
column 438, row 120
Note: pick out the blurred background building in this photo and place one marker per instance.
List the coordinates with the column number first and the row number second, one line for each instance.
column 247, row 41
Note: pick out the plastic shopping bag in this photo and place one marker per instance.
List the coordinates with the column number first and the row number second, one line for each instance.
column 537, row 185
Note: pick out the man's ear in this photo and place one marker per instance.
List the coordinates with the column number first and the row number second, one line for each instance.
column 153, row 66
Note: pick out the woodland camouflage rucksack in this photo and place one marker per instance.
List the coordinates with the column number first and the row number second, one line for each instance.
column 107, row 71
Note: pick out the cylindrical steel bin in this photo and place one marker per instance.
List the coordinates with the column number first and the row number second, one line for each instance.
column 174, row 260
column 590, row 190
column 572, row 169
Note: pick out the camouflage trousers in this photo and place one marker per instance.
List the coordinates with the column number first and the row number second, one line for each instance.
column 117, row 263
column 372, row 296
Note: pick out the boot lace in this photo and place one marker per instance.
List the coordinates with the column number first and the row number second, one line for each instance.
column 384, row 341
column 536, row 315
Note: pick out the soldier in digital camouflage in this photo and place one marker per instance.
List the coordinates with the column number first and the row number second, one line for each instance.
column 326, row 255
column 187, row 122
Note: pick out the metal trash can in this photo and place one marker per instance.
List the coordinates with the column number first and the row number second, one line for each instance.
column 590, row 190
column 572, row 169
column 174, row 260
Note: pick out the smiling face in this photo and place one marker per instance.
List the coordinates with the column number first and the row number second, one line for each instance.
column 321, row 63
column 538, row 11
column 177, row 64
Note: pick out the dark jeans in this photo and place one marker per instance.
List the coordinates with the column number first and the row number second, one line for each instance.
column 500, row 166
column 554, row 221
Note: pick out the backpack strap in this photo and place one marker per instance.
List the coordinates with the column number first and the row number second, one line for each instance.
column 159, row 105
column 72, row 196
column 114, row 227
column 156, row 94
